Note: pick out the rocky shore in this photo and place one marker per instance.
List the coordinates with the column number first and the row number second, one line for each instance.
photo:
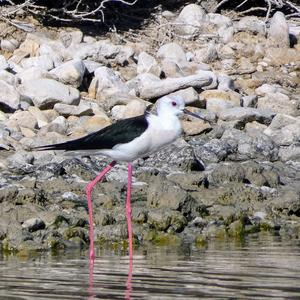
column 237, row 173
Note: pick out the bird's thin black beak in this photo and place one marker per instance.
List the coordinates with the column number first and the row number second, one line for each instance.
column 187, row 112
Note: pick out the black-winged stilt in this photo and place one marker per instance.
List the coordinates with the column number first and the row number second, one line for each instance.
column 127, row 140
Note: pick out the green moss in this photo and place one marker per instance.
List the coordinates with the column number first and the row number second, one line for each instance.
column 201, row 240
column 236, row 229
column 166, row 239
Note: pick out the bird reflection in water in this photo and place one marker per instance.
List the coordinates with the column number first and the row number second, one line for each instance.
column 128, row 288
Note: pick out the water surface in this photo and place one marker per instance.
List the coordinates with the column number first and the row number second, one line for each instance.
column 264, row 268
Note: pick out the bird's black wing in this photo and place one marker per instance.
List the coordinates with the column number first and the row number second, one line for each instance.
column 123, row 131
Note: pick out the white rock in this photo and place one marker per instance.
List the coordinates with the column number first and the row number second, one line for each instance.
column 278, row 33
column 32, row 73
column 171, row 69
column 148, row 64
column 9, row 97
column 106, row 83
column 54, row 50
column 226, row 34
column 24, row 119
column 189, row 95
column 69, row 37
column 44, row 93
column 172, row 52
column 44, row 62
column 132, row 109
column 207, row 54
column 219, row 20
column 168, row 14
column 3, row 63
column 150, row 86
column 89, row 39
column 8, row 77
column 214, row 79
column 226, row 83
column 9, row 45
column 39, row 116
column 91, row 66
column 71, row 72
column 265, row 89
column 251, row 24
column 190, row 20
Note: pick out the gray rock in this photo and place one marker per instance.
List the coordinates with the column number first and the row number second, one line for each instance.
column 191, row 20
column 9, row 98
column 285, row 130
column 249, row 101
column 172, row 52
column 290, row 153
column 246, row 114
column 44, row 62
column 148, row 64
column 149, row 86
column 249, row 146
column 177, row 156
column 34, row 224
column 251, row 24
column 72, row 110
column 278, row 33
column 214, row 151
column 278, row 103
column 45, row 93
column 280, row 121
column 71, row 72
column 59, row 125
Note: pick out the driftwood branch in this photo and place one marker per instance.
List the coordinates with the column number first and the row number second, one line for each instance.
column 268, row 7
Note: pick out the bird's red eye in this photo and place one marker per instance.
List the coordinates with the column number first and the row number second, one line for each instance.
column 174, row 103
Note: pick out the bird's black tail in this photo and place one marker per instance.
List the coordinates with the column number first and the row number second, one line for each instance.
column 60, row 146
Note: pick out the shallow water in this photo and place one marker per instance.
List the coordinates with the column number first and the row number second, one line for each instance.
column 264, row 268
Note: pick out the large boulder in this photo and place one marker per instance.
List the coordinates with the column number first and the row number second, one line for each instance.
column 45, row 93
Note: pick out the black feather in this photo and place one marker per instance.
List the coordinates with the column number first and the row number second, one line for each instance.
column 123, row 131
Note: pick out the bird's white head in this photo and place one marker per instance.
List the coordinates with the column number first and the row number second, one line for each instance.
column 170, row 105
column 174, row 106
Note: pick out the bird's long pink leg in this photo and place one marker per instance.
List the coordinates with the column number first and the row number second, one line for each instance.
column 89, row 189
column 128, row 210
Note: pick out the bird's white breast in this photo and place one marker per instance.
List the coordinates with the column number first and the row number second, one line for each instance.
column 159, row 133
